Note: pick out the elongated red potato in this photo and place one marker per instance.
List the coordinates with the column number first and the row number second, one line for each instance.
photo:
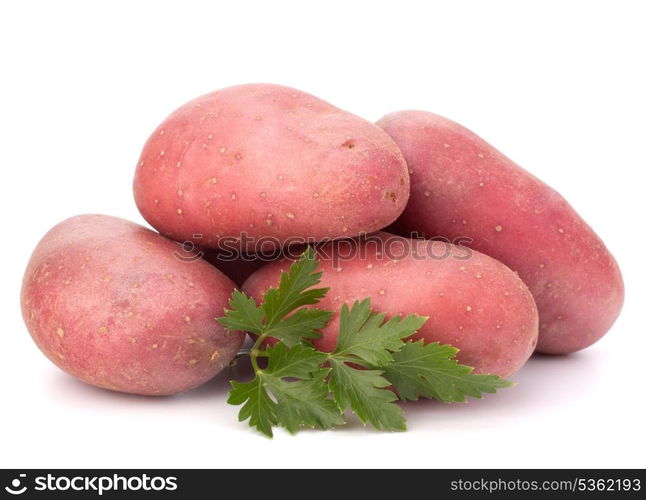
column 473, row 302
column 121, row 307
column 265, row 161
column 462, row 186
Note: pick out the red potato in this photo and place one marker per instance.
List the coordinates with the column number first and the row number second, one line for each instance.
column 474, row 302
column 265, row 161
column 462, row 186
column 109, row 302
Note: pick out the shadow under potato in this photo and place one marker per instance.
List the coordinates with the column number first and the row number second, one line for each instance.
column 217, row 387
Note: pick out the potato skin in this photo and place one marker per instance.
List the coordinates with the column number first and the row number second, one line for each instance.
column 108, row 302
column 462, row 186
column 474, row 302
column 268, row 161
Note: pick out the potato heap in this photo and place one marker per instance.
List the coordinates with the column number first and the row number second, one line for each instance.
column 264, row 167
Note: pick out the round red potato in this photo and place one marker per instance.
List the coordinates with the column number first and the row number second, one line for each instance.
column 462, row 187
column 121, row 307
column 265, row 161
column 473, row 302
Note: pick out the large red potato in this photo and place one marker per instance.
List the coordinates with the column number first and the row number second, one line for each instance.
column 462, row 186
column 473, row 302
column 118, row 306
column 268, row 161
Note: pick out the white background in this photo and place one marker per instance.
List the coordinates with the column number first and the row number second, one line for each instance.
column 558, row 86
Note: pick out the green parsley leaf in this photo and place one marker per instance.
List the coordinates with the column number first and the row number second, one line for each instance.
column 294, row 289
column 430, row 371
column 365, row 335
column 257, row 405
column 305, row 403
column 244, row 314
column 364, row 391
column 296, row 381
column 365, row 340
column 300, row 326
column 282, row 315
column 298, row 362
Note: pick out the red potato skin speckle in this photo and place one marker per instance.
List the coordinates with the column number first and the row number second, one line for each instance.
column 473, row 302
column 108, row 302
column 462, row 186
column 270, row 161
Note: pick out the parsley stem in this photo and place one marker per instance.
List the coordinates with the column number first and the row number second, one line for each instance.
column 254, row 363
column 255, row 352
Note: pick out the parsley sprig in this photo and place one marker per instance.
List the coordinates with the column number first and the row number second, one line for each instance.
column 298, row 386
